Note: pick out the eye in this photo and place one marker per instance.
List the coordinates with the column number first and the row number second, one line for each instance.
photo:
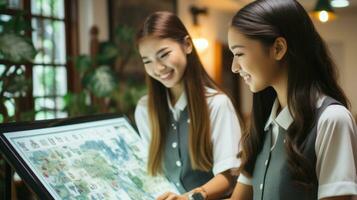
column 165, row 54
column 239, row 54
column 146, row 62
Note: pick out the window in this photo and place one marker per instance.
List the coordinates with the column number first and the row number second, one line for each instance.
column 49, row 71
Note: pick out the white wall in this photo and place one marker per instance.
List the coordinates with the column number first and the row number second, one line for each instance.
column 92, row 12
column 341, row 35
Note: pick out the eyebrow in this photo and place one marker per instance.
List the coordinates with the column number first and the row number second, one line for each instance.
column 158, row 52
column 237, row 46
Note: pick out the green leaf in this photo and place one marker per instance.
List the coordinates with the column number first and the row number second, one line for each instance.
column 16, row 24
column 18, row 85
column 77, row 104
column 124, row 34
column 102, row 82
column 108, row 51
column 83, row 63
column 3, row 4
column 16, row 48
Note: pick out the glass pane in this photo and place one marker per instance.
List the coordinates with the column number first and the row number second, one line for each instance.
column 61, row 115
column 11, row 70
column 21, row 70
column 2, row 69
column 37, row 33
column 50, row 40
column 45, row 115
column 48, row 80
column 48, row 44
column 60, row 103
column 44, row 104
column 46, row 8
column 38, row 87
column 15, row 4
column 61, row 80
column 5, row 18
column 10, row 107
column 59, row 36
column 58, row 8
column 36, row 7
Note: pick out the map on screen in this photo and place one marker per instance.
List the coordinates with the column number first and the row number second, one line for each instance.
column 93, row 160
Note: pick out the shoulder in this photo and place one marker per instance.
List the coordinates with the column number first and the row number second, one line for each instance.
column 336, row 115
column 143, row 101
column 141, row 107
column 336, row 124
column 216, row 99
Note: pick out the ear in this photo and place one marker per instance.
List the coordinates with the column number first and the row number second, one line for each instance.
column 187, row 45
column 280, row 48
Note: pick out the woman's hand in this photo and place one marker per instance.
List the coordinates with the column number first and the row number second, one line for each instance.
column 172, row 196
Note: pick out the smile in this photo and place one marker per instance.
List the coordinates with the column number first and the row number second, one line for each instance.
column 245, row 75
column 166, row 75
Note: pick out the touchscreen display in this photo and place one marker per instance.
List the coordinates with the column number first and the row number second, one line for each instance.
column 93, row 160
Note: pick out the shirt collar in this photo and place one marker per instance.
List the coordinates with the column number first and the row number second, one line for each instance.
column 180, row 104
column 284, row 119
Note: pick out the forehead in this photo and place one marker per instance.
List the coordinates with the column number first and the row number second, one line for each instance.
column 150, row 45
column 236, row 38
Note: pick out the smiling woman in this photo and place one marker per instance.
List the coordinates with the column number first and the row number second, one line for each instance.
column 302, row 140
column 186, row 120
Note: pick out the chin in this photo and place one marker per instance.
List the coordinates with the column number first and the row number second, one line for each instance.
column 169, row 85
column 255, row 89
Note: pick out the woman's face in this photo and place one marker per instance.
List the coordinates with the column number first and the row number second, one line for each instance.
column 164, row 59
column 255, row 63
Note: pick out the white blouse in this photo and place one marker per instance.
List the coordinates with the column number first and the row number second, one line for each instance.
column 225, row 127
column 335, row 147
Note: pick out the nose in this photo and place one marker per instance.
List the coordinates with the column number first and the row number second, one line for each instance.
column 159, row 67
column 235, row 66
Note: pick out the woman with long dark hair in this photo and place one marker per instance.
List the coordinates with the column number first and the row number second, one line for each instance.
column 188, row 123
column 302, row 142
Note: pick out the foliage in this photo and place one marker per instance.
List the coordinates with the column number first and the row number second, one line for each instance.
column 16, row 48
column 105, row 87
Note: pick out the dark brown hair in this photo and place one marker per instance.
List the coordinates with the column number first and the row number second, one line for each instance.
column 311, row 71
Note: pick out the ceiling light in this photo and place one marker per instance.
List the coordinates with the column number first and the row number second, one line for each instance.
column 340, row 3
column 323, row 11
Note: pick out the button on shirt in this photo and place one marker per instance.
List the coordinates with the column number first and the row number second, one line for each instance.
column 225, row 128
column 336, row 145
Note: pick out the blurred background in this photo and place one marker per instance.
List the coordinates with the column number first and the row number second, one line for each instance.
column 66, row 58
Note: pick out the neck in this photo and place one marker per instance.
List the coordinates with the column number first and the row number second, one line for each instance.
column 281, row 88
column 175, row 93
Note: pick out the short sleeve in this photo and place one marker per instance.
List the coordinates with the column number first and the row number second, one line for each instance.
column 244, row 179
column 142, row 120
column 226, row 132
column 336, row 153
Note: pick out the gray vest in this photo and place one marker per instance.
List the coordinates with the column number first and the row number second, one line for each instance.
column 271, row 177
column 177, row 164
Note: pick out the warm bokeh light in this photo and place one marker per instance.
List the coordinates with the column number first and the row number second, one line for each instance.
column 340, row 3
column 201, row 44
column 323, row 16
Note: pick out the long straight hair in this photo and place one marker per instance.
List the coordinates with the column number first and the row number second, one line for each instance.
column 166, row 25
column 311, row 71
